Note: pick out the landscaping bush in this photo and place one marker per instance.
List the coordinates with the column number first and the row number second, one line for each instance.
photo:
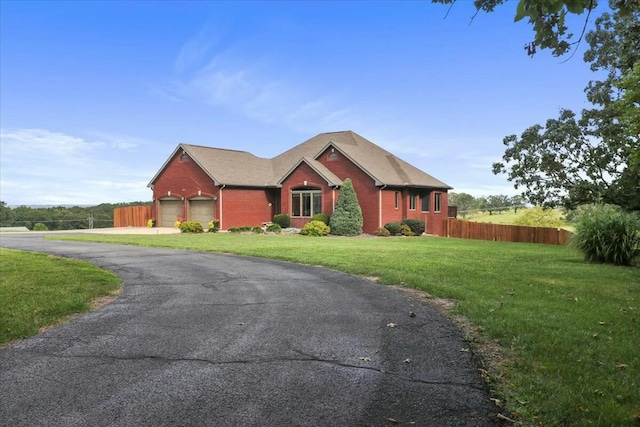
column 383, row 232
column 607, row 234
column 315, row 228
column 214, row 226
column 393, row 227
column 244, row 228
column 321, row 217
column 282, row 220
column 416, row 225
column 274, row 228
column 405, row 230
column 40, row 227
column 257, row 230
column 191, row 227
column 347, row 216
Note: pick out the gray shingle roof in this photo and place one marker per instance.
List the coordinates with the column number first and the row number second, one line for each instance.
column 241, row 168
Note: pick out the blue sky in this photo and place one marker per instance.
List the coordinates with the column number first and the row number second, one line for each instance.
column 94, row 96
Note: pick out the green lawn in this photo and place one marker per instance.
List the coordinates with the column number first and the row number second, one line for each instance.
column 505, row 217
column 569, row 330
column 38, row 290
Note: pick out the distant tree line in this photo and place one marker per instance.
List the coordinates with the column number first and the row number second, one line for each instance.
column 61, row 217
column 467, row 203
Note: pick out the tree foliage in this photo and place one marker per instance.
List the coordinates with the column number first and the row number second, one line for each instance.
column 61, row 217
column 548, row 19
column 592, row 157
column 538, row 216
column 347, row 215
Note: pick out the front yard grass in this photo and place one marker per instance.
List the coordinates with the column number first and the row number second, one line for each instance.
column 569, row 330
column 37, row 291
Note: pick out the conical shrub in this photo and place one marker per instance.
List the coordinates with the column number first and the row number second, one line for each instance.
column 347, row 215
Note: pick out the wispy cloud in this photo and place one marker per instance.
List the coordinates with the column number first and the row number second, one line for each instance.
column 42, row 166
column 239, row 81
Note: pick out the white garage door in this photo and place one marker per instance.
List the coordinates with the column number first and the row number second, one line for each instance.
column 201, row 211
column 169, row 211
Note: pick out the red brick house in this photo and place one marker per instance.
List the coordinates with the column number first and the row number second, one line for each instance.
column 237, row 188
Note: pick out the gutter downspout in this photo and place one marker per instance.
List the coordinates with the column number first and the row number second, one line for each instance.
column 221, row 188
column 380, row 205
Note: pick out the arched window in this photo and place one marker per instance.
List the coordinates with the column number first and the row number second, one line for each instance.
column 306, row 202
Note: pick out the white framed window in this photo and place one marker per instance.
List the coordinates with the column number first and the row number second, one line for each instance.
column 306, row 203
column 413, row 198
column 437, row 202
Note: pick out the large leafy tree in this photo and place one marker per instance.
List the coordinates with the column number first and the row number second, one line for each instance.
column 593, row 156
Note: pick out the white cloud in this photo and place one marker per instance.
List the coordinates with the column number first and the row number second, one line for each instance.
column 44, row 167
column 254, row 86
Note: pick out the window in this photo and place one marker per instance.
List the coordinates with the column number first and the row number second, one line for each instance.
column 333, row 156
column 306, row 203
column 397, row 199
column 426, row 201
column 412, row 201
column 437, row 201
column 184, row 157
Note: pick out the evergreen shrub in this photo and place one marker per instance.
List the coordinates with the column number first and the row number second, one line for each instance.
column 283, row 220
column 405, row 230
column 274, row 228
column 315, row 229
column 191, row 227
column 416, row 225
column 321, row 217
column 40, row 227
column 393, row 227
column 383, row 232
column 347, row 216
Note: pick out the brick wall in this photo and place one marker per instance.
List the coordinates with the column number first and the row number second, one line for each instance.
column 297, row 179
column 364, row 186
column 183, row 178
column 246, row 206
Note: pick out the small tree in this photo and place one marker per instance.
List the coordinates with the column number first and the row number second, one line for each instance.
column 347, row 216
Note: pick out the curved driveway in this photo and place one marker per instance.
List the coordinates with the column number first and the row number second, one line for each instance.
column 201, row 339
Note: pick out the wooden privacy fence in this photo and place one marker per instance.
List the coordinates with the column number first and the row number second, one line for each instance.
column 131, row 216
column 506, row 233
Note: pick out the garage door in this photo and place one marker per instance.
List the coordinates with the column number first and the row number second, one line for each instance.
column 201, row 211
column 169, row 211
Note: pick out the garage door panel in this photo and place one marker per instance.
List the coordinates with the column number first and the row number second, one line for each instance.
column 169, row 211
column 201, row 211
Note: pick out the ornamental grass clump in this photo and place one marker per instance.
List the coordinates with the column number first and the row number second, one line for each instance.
column 347, row 216
column 607, row 234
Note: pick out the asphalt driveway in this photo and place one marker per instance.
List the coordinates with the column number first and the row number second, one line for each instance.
column 202, row 339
